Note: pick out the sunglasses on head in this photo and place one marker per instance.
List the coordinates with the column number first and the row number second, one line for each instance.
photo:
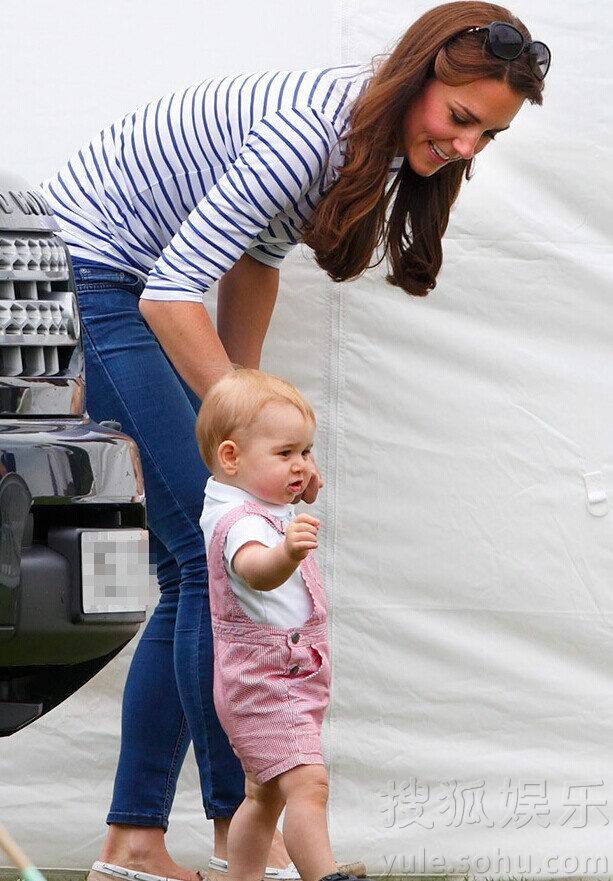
column 507, row 42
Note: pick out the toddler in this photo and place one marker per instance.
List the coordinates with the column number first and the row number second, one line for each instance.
column 268, row 609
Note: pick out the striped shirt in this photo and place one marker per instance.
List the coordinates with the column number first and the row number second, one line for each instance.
column 177, row 191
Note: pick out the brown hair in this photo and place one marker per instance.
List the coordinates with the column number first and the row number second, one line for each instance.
column 409, row 217
column 235, row 401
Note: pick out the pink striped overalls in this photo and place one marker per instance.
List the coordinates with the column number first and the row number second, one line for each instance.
column 271, row 686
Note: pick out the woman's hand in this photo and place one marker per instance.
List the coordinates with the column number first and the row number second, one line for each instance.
column 314, row 484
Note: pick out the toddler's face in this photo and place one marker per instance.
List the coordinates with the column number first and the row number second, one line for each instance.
column 274, row 457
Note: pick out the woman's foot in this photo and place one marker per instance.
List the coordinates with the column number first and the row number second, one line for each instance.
column 142, row 849
column 278, row 857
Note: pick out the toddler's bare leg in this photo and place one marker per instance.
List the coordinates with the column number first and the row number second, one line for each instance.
column 252, row 829
column 305, row 829
column 278, row 858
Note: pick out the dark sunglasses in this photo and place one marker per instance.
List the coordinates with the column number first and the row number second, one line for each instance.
column 507, row 42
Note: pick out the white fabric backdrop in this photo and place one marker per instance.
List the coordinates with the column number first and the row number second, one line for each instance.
column 469, row 578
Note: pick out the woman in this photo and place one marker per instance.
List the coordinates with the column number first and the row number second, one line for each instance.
column 218, row 182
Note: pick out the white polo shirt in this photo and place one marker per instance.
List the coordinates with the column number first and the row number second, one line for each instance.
column 286, row 606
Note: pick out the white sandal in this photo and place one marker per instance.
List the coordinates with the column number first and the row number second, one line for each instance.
column 110, row 870
column 290, row 873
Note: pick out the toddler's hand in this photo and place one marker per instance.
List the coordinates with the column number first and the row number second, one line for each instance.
column 301, row 536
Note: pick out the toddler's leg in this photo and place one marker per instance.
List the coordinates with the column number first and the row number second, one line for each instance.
column 252, row 829
column 305, row 829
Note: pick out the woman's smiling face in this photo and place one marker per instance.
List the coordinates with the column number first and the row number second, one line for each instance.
column 446, row 123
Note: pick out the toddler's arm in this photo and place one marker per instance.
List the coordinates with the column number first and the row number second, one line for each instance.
column 265, row 568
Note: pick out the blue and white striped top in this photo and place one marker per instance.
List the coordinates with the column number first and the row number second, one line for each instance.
column 177, row 191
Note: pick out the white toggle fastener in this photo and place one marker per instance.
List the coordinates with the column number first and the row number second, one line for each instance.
column 595, row 487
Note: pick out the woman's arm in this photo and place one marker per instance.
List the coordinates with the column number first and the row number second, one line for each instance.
column 245, row 301
column 187, row 335
column 280, row 163
column 200, row 353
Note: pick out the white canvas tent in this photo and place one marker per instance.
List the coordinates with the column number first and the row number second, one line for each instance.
column 466, row 444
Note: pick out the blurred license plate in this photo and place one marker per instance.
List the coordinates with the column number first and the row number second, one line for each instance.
column 115, row 570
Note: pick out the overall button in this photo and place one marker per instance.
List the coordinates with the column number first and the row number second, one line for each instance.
column 295, row 638
column 293, row 670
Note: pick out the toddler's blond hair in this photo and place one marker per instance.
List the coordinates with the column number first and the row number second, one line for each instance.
column 233, row 404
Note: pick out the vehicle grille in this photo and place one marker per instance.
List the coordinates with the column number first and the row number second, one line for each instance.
column 39, row 318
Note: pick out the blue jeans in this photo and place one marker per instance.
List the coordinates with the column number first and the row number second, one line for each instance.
column 168, row 697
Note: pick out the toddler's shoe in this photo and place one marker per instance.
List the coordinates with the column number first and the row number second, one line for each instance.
column 343, row 876
column 352, row 870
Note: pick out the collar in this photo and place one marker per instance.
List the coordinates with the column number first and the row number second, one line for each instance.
column 223, row 492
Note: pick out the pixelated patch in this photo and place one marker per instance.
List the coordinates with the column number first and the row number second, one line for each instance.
column 115, row 571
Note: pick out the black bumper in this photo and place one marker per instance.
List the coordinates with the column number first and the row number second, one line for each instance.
column 78, row 477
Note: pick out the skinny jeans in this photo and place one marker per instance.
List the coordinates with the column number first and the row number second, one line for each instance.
column 168, row 697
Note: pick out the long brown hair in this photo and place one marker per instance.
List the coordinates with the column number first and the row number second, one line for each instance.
column 408, row 218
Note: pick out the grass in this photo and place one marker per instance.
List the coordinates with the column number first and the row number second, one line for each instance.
column 7, row 874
